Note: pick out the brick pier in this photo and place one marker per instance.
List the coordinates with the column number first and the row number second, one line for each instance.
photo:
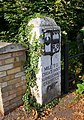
column 12, row 76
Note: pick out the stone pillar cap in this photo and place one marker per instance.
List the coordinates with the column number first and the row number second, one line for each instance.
column 45, row 21
column 10, row 47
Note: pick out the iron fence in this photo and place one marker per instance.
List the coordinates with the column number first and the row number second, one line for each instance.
column 66, row 81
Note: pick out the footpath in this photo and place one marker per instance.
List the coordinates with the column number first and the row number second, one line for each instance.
column 70, row 107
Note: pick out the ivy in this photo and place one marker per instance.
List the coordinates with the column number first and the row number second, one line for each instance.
column 33, row 45
column 80, row 88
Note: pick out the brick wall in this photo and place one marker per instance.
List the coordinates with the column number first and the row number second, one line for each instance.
column 12, row 76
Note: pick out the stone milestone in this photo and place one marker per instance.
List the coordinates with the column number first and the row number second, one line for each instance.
column 49, row 75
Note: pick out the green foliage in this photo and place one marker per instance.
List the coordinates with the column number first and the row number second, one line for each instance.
column 82, row 30
column 33, row 46
column 75, row 65
column 30, row 101
column 80, row 87
column 14, row 18
column 52, row 104
column 69, row 15
column 16, row 12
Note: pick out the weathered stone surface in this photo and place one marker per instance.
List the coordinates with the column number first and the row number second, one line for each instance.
column 19, row 74
column 6, row 67
column 10, row 60
column 40, row 22
column 2, row 56
column 7, row 78
column 49, row 76
column 9, row 47
column 14, row 70
column 2, row 74
column 4, row 84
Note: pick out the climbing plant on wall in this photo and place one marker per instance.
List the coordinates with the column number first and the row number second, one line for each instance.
column 14, row 17
column 33, row 45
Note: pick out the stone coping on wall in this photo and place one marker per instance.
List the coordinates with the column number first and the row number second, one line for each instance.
column 10, row 47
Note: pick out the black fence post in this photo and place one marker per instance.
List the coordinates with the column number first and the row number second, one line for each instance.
column 66, row 65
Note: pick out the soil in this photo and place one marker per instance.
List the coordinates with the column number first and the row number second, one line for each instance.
column 70, row 107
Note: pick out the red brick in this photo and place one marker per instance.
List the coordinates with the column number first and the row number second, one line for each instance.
column 19, row 93
column 6, row 89
column 16, row 59
column 20, row 102
column 6, row 104
column 2, row 74
column 19, row 84
column 6, row 78
column 4, row 56
column 14, row 70
column 24, row 87
column 12, row 106
column 19, row 88
column 15, row 99
column 6, row 67
column 17, row 64
column 5, row 94
column 14, row 81
column 21, row 74
column 9, row 98
column 3, row 84
column 10, row 60
column 12, row 91
column 19, row 53
column 2, row 62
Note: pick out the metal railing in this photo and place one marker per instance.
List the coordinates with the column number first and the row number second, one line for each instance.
column 66, row 67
